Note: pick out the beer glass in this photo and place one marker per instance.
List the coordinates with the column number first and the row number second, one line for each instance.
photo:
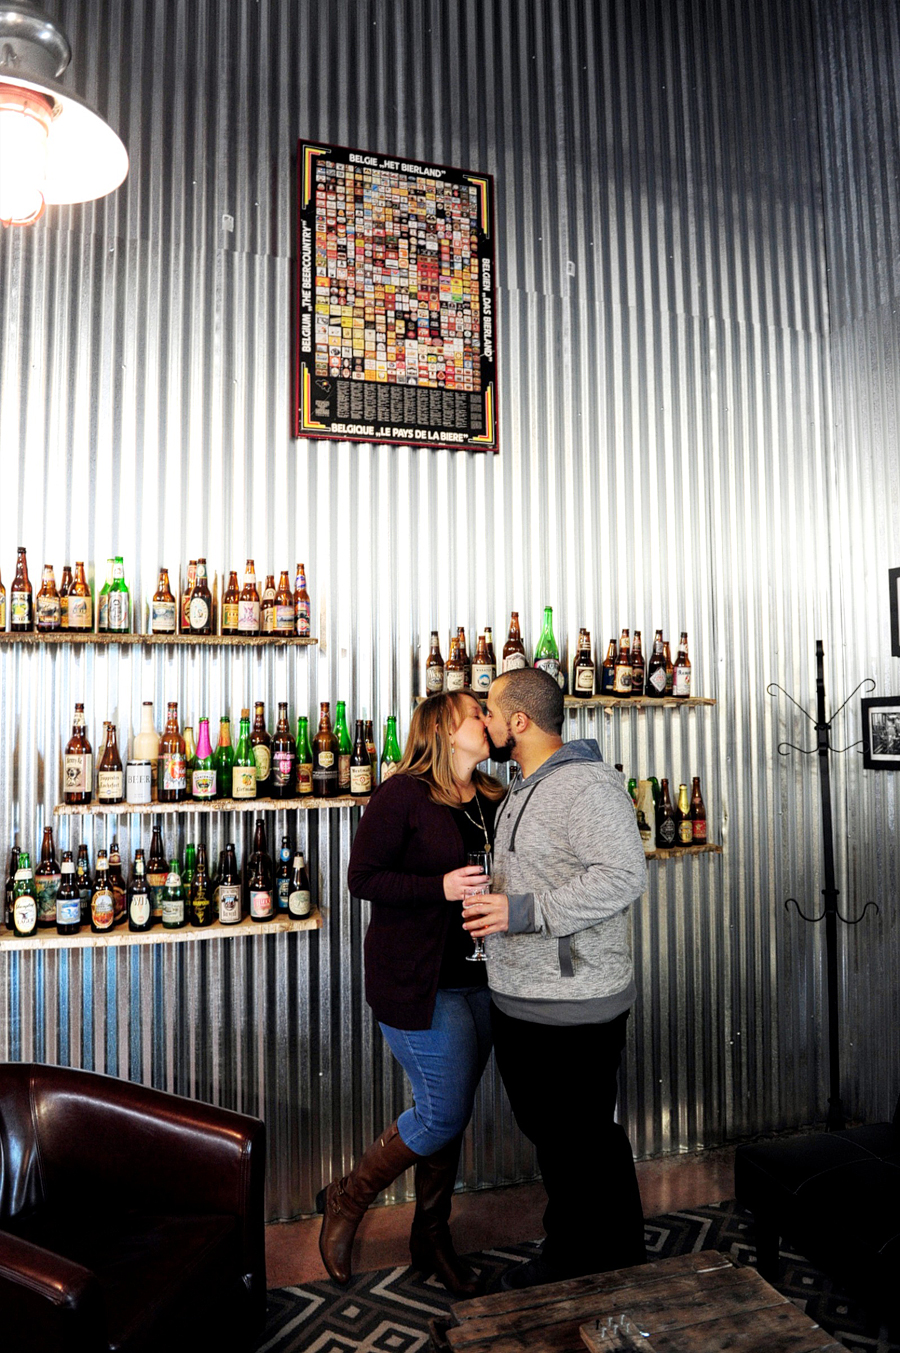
column 483, row 860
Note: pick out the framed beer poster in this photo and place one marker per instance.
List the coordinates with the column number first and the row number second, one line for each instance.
column 396, row 314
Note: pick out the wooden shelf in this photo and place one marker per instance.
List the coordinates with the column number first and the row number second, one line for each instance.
column 573, row 702
column 122, row 937
column 680, row 852
column 186, row 640
column 206, row 806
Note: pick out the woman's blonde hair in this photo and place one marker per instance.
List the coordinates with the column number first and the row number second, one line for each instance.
column 428, row 756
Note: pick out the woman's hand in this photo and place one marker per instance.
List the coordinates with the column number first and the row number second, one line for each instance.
column 486, row 915
column 459, row 880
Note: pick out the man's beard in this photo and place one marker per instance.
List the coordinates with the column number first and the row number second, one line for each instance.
column 504, row 753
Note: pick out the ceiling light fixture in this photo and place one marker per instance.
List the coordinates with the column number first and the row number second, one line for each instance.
column 53, row 147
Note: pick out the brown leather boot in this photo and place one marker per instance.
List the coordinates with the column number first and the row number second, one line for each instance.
column 345, row 1200
column 430, row 1246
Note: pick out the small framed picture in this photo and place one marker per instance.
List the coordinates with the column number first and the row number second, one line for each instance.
column 894, row 577
column 881, row 732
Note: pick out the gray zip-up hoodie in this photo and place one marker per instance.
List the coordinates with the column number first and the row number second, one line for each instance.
column 568, row 854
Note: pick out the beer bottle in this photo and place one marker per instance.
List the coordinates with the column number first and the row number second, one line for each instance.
column 190, row 756
column 283, row 756
column 665, row 820
column 47, row 879
column 299, row 897
column 110, row 776
column 302, row 608
column 583, row 671
column 670, row 670
column 622, row 686
column 698, row 814
column 304, row 758
column 78, row 763
column 2, row 607
column 345, row 746
column 261, row 742
column 390, row 756
column 463, row 655
column 201, row 892
column 140, row 901
column 684, row 831
column 10, row 885
column 103, row 909
column 157, row 873
column 325, row 757
column 489, row 645
column 260, row 877
column 103, row 599
column 372, row 750
column 80, row 607
column 227, row 896
column 546, row 655
column 174, row 912
column 283, row 876
column 24, row 905
column 172, row 776
column 248, row 603
column 656, row 672
column 681, row 675
column 360, row 765
column 230, row 604
column 118, row 601
column 608, row 671
column 267, row 606
column 285, row 616
column 145, row 746
column 455, row 671
column 482, row 671
column 47, row 608
column 117, row 883
column 83, row 881
column 190, row 868
column 514, row 650
column 200, row 605
column 68, row 899
column 184, row 616
column 203, row 773
column 65, row 587
column 434, row 667
column 21, row 598
column 223, row 759
column 638, row 668
column 163, row 608
column 243, row 775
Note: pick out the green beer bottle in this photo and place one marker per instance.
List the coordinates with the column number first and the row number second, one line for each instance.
column 345, row 747
column 243, row 775
column 546, row 655
column 304, row 757
column 390, row 757
column 223, row 759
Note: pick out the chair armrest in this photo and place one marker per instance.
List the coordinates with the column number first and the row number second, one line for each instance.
column 48, row 1302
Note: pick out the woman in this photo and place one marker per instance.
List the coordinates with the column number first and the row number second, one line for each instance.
column 432, row 1004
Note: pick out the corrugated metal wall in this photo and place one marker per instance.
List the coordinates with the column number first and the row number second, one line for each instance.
column 673, row 453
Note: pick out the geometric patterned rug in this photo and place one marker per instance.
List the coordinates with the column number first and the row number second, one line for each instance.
column 389, row 1311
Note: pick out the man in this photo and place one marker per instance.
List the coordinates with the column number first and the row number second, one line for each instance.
column 567, row 864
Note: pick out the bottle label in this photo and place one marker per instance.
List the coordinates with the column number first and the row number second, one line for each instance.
column 248, row 617
column 344, row 770
column 103, row 911
column 262, row 755
column 172, row 907
column 456, row 679
column 584, row 679
column 261, row 904
column 302, row 609
column 78, row 772
column 198, row 612
column 622, row 683
column 68, row 911
column 139, row 909
column 267, row 617
column 304, row 777
column 139, row 781
column 282, row 769
column 230, row 615
column 284, row 619
column 46, row 886
column 162, row 617
column 699, row 831
column 79, row 613
column 243, row 782
column 283, row 891
column 388, row 768
column 299, row 903
column 514, row 662
column 657, row 679
column 157, row 885
column 174, row 772
column 203, row 783
column 685, row 831
column 228, row 903
column 682, row 682
column 20, row 608
column 25, row 914
column 482, row 676
column 667, row 832
column 434, row 679
column 326, row 760
column 117, row 612
column 360, row 779
column 48, row 613
column 110, row 785
column 550, row 665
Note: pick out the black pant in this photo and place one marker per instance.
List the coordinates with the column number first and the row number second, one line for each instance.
column 562, row 1084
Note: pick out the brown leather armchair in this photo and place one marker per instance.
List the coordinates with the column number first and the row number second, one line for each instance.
column 130, row 1220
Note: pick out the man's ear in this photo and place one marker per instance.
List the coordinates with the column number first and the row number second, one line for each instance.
column 519, row 722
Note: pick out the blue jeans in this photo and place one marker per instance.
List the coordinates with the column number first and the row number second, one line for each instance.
column 444, row 1065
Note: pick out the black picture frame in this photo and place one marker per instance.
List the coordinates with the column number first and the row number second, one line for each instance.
column 881, row 732
column 894, row 581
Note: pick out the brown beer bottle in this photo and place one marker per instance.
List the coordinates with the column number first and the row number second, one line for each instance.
column 230, row 604
column 248, row 603
column 638, row 667
column 47, row 878
column 110, row 776
column 172, row 775
column 81, row 606
column 186, row 597
column 283, row 754
column 482, row 672
column 514, row 649
column 302, row 607
column 117, row 884
column 608, row 670
column 285, row 616
column 454, row 672
column 267, row 606
column 583, row 671
column 261, row 742
column 683, row 828
column 681, row 674
column 489, row 644
column 200, row 606
column 47, row 607
column 21, row 598
column 656, row 672
column 434, row 667
column 65, row 586
column 78, row 763
column 372, row 750
column 163, row 608
column 622, row 686
column 360, row 765
column 698, row 814
column 463, row 655
column 665, row 819
column 670, row 670
column 157, row 872
column 325, row 757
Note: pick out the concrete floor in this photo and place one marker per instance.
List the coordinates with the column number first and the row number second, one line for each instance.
column 491, row 1218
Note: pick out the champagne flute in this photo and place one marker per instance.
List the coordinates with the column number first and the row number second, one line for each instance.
column 481, row 858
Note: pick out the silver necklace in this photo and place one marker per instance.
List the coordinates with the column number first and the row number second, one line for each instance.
column 487, row 843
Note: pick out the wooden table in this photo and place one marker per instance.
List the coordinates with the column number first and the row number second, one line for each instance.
column 694, row 1303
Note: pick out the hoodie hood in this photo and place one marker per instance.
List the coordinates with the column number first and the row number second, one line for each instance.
column 582, row 749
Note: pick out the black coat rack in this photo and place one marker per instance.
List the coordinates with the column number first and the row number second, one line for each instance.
column 831, row 913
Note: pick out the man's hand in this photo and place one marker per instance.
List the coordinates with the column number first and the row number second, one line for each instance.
column 486, row 915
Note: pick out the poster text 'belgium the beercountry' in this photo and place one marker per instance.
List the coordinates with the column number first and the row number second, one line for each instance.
column 396, row 301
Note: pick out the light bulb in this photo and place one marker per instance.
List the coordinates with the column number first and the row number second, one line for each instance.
column 24, row 129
